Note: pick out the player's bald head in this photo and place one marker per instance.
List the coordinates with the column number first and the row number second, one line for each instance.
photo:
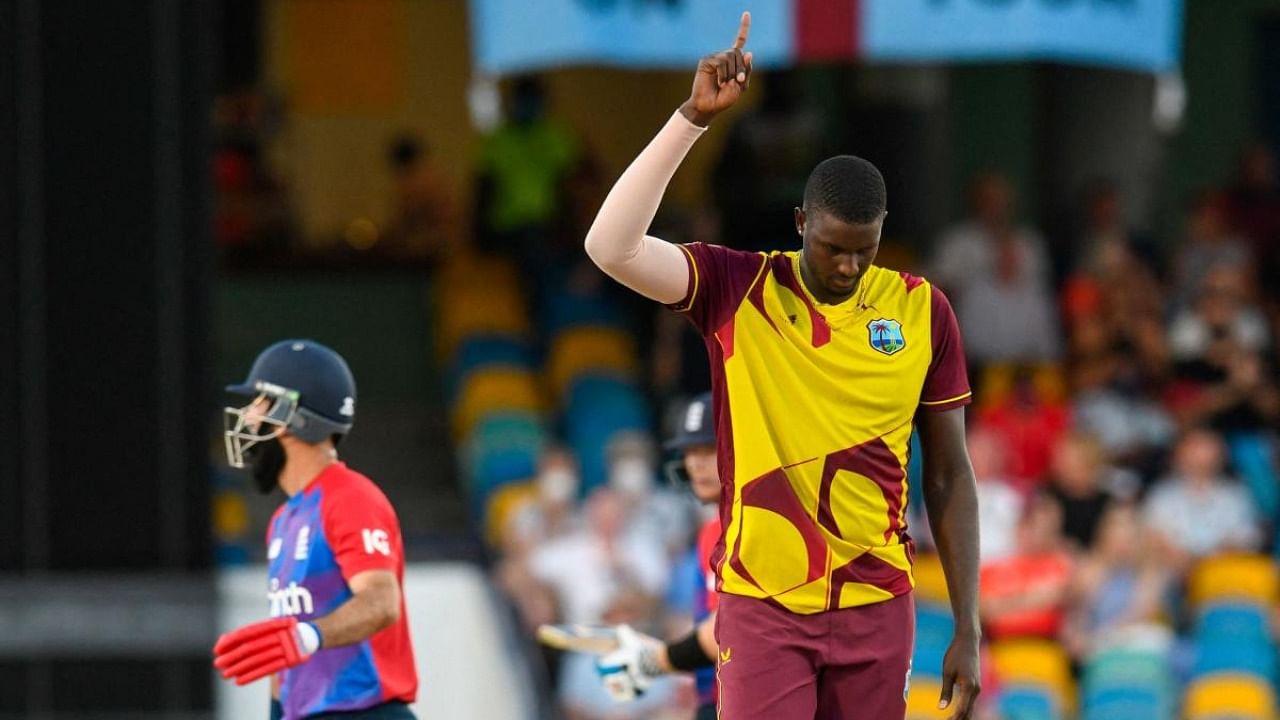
column 848, row 188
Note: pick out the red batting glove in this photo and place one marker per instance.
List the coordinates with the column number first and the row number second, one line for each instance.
column 257, row 650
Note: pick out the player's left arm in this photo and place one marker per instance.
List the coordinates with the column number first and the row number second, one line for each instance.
column 951, row 498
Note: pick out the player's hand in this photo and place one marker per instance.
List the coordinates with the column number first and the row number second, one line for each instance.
column 961, row 678
column 628, row 671
column 720, row 79
column 263, row 648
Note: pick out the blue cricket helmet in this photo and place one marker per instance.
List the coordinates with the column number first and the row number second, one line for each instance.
column 697, row 425
column 311, row 391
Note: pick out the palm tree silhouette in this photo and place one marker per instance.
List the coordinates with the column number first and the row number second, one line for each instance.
column 880, row 329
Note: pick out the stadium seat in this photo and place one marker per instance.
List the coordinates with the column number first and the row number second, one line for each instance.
column 1234, row 577
column 1256, row 657
column 931, row 584
column 1036, row 663
column 922, row 698
column 1226, row 695
column 1120, row 703
column 1029, row 702
column 590, row 350
column 1254, row 457
column 475, row 297
column 489, row 350
column 501, row 505
column 1232, row 622
column 934, row 627
column 563, row 310
column 502, row 447
column 1128, row 684
column 596, row 410
column 488, row 391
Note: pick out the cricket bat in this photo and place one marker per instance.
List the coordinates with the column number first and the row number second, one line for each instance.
column 598, row 639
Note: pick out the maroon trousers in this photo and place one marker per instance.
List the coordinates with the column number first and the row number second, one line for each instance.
column 849, row 664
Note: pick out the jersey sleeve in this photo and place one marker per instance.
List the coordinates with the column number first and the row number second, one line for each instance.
column 946, row 385
column 362, row 531
column 719, row 279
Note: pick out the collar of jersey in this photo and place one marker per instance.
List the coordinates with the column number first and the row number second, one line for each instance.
column 315, row 484
column 840, row 311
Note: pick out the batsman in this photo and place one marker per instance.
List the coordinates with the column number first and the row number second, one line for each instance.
column 338, row 639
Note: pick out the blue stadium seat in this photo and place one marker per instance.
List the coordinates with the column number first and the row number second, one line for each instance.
column 1250, row 658
column 502, row 448
column 1028, row 702
column 1133, row 703
column 564, row 310
column 485, row 351
column 598, row 407
column 934, row 627
column 1229, row 622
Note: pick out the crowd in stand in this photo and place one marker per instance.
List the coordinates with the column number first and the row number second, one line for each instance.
column 1124, row 430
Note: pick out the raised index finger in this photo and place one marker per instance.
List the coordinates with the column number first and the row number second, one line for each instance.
column 743, row 28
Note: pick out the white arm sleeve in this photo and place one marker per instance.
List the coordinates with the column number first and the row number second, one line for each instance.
column 617, row 242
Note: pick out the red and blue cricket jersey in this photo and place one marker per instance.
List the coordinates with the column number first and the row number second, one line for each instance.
column 338, row 527
column 705, row 601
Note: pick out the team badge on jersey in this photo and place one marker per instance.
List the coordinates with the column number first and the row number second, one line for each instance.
column 886, row 335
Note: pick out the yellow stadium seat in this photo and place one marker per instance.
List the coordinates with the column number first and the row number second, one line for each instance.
column 995, row 385
column 1035, row 662
column 501, row 507
column 922, row 700
column 931, row 584
column 466, row 270
column 1233, row 577
column 1240, row 697
column 479, row 311
column 578, row 350
column 487, row 391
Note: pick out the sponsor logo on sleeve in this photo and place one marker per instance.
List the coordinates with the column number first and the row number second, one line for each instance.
column 376, row 541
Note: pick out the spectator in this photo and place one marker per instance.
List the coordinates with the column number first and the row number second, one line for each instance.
column 1209, row 243
column 1115, row 382
column 1084, row 486
column 1253, row 208
column 1223, row 380
column 1197, row 511
column 543, row 515
column 1104, row 236
column 993, row 268
column 525, row 169
column 1118, row 588
column 999, row 505
column 602, row 572
column 659, row 512
column 1024, row 595
column 423, row 224
column 1030, row 418
column 550, row 512
column 1221, row 322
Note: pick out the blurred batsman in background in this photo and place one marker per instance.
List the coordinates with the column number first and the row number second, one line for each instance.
column 822, row 365
column 639, row 658
column 338, row 637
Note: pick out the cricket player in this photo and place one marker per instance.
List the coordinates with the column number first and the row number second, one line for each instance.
column 627, row 671
column 338, row 638
column 822, row 363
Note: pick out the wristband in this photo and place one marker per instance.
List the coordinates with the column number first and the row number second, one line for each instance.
column 686, row 654
column 309, row 638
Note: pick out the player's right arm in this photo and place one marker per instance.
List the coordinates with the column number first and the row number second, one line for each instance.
column 641, row 659
column 617, row 241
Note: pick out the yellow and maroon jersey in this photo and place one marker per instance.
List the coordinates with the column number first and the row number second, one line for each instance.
column 814, row 408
